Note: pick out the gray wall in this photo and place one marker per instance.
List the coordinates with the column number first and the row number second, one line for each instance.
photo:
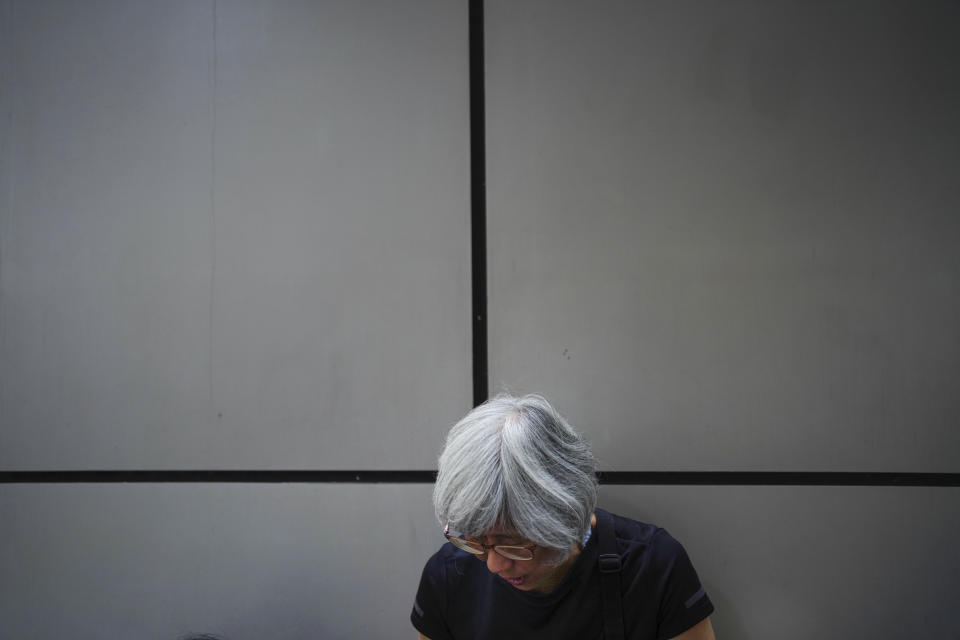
column 343, row 561
column 236, row 235
column 742, row 219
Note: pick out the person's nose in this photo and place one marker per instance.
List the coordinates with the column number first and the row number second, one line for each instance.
column 496, row 563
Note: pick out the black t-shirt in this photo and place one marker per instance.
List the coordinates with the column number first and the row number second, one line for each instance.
column 459, row 599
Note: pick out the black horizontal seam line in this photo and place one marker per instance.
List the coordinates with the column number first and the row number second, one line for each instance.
column 782, row 478
column 220, row 476
column 426, row 476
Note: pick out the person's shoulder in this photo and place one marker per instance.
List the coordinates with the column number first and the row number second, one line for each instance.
column 646, row 538
column 443, row 556
column 447, row 563
column 630, row 531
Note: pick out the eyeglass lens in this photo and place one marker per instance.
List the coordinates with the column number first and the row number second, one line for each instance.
column 507, row 551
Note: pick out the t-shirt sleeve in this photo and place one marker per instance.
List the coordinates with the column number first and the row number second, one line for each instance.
column 429, row 605
column 684, row 602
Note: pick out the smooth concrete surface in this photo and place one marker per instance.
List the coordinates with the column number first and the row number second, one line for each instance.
column 236, row 235
column 343, row 561
column 233, row 234
column 157, row 562
column 724, row 236
column 824, row 562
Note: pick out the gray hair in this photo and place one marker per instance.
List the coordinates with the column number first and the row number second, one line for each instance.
column 515, row 462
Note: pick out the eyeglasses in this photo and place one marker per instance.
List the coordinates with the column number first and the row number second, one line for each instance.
column 509, row 551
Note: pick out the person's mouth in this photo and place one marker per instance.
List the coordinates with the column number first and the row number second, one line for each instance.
column 516, row 582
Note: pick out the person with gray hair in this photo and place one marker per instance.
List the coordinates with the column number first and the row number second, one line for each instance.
column 517, row 490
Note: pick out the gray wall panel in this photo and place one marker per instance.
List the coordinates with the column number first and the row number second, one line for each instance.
column 343, row 561
column 343, row 241
column 104, row 261
column 724, row 237
column 233, row 234
column 826, row 562
column 244, row 561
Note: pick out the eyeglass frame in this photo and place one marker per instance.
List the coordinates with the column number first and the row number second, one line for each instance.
column 454, row 540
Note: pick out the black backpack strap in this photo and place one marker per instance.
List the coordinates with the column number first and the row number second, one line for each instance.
column 609, row 564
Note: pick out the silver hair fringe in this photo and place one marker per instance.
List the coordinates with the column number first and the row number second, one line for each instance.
column 515, row 462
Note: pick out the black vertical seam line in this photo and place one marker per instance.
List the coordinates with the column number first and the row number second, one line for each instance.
column 428, row 476
column 478, row 203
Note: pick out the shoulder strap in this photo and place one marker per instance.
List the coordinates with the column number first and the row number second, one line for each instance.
column 609, row 564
